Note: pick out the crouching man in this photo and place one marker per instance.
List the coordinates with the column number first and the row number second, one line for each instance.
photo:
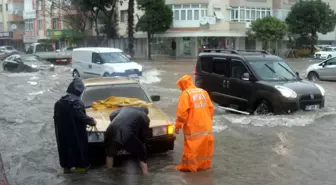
column 128, row 130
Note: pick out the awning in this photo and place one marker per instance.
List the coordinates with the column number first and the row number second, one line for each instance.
column 199, row 33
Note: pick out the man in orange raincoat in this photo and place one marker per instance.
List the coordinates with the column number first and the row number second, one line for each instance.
column 194, row 113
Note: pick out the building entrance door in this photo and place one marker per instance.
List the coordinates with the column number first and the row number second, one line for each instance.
column 186, row 46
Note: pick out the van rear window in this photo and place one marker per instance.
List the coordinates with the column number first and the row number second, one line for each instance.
column 206, row 64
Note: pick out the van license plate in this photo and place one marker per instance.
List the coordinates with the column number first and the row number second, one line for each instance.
column 312, row 107
column 133, row 75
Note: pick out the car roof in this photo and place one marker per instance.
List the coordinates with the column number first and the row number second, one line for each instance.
column 98, row 49
column 245, row 56
column 108, row 81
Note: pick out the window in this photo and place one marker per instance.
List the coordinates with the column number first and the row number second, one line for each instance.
column 190, row 17
column 114, row 57
column 237, row 69
column 221, row 67
column 183, row 15
column 29, row 24
column 331, row 62
column 96, row 58
column 96, row 93
column 196, row 15
column 123, row 16
column 39, row 5
column 55, row 23
column 176, row 15
column 189, row 12
column 206, row 64
column 6, row 7
column 1, row 8
column 40, row 24
column 273, row 70
column 247, row 14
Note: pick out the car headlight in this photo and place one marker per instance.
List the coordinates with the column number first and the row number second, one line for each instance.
column 159, row 131
column 163, row 130
column 286, row 92
column 34, row 66
column 52, row 65
column 321, row 89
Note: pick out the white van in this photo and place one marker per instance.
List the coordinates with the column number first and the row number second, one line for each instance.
column 99, row 61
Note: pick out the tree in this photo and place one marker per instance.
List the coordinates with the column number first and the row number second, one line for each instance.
column 307, row 18
column 130, row 27
column 267, row 30
column 153, row 22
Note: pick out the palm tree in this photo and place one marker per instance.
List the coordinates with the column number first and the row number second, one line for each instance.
column 130, row 21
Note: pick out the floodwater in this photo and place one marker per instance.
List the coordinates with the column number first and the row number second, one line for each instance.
column 268, row 150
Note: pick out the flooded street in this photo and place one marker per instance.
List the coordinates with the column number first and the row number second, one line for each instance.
column 249, row 150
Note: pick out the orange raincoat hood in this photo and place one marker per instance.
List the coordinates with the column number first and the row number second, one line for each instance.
column 185, row 82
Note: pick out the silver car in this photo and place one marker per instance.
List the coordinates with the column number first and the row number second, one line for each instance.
column 26, row 63
column 325, row 70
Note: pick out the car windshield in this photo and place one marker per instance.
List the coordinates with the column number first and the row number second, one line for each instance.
column 273, row 70
column 114, row 57
column 101, row 92
column 31, row 59
column 9, row 48
column 327, row 49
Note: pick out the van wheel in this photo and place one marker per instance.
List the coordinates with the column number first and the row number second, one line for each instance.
column 263, row 108
column 75, row 74
column 313, row 76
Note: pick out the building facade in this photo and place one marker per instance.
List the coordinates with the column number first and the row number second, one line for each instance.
column 11, row 21
column 215, row 24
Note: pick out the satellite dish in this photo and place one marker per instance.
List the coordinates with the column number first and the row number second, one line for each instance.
column 204, row 20
column 13, row 27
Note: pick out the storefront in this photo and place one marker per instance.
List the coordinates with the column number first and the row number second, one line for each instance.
column 60, row 38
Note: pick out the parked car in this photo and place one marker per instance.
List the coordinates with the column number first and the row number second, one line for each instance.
column 8, row 49
column 255, row 82
column 100, row 61
column 325, row 70
column 161, row 133
column 325, row 53
column 47, row 52
column 26, row 63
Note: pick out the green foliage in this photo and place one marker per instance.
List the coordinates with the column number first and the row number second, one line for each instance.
column 267, row 29
column 158, row 17
column 309, row 17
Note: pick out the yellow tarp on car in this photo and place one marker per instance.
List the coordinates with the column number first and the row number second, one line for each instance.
column 115, row 102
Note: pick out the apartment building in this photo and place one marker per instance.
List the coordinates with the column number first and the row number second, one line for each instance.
column 11, row 21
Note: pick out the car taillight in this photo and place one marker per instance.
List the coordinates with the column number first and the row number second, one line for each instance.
column 195, row 73
column 58, row 60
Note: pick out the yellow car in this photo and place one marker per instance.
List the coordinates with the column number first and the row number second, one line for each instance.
column 161, row 133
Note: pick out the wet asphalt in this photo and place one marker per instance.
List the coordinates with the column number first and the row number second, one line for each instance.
column 269, row 150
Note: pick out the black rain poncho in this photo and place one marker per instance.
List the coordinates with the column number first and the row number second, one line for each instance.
column 129, row 127
column 70, row 127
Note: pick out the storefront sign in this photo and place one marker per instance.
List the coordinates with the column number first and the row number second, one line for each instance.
column 6, row 35
column 29, row 39
column 59, row 33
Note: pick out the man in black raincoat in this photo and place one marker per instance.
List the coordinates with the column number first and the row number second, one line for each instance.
column 128, row 130
column 70, row 127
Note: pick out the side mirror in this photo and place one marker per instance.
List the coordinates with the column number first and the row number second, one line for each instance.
column 129, row 57
column 246, row 77
column 155, row 98
column 297, row 74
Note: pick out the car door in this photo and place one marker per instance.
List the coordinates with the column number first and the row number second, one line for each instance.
column 219, row 80
column 96, row 66
column 328, row 71
column 239, row 90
